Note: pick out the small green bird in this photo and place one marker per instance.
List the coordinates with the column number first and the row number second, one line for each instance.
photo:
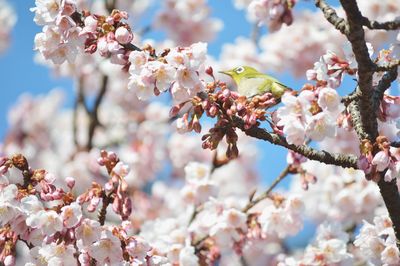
column 250, row 82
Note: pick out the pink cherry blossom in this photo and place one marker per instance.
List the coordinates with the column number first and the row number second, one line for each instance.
column 71, row 214
column 107, row 250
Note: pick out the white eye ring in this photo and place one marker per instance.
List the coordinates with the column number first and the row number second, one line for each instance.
column 239, row 70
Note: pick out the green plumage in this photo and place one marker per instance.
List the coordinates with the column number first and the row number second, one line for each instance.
column 250, row 82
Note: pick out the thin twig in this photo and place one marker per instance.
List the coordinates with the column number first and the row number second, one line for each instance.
column 266, row 193
column 255, row 34
column 375, row 25
column 393, row 64
column 103, row 211
column 243, row 261
column 395, row 144
column 29, row 245
column 79, row 102
column 93, row 115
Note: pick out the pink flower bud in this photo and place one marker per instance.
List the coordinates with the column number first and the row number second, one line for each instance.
column 3, row 170
column 121, row 169
column 123, row 36
column 174, row 110
column 57, row 195
column 70, row 182
column 91, row 49
column 49, row 178
column 210, row 71
column 364, row 164
column 113, row 46
column 109, row 187
column 69, row 7
column 9, row 260
column 381, row 160
column 117, row 204
column 240, row 107
column 253, row 119
column 91, row 208
column 81, row 199
column 112, row 156
column 100, row 161
column 213, row 111
column 311, row 74
column 123, row 14
column 102, row 46
column 90, row 23
column 3, row 160
column 126, row 208
column 110, row 20
column 226, row 93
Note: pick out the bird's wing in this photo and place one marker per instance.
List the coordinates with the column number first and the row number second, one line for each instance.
column 252, row 86
column 274, row 86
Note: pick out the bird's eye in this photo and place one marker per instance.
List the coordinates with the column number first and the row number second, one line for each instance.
column 239, row 70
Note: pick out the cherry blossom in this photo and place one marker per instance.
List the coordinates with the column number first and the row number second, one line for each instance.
column 155, row 163
column 8, row 19
column 187, row 21
column 377, row 242
column 107, row 250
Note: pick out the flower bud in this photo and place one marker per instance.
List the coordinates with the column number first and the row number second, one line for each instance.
column 226, row 93
column 123, row 36
column 112, row 156
column 210, row 71
column 174, row 110
column 110, row 20
column 70, row 182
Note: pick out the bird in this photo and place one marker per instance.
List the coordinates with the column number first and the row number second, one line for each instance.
column 251, row 82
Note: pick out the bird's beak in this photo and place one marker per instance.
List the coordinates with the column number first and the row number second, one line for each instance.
column 228, row 72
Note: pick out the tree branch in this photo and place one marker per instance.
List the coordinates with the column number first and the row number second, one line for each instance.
column 375, row 25
column 266, row 193
column 391, row 197
column 79, row 101
column 390, row 66
column 342, row 160
column 395, row 144
column 366, row 67
column 331, row 16
column 383, row 85
column 354, row 96
column 364, row 110
column 93, row 115
column 103, row 211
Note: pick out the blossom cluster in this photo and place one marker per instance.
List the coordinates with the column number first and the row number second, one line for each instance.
column 66, row 32
column 348, row 197
column 51, row 221
column 187, row 21
column 384, row 161
column 8, row 19
column 377, row 241
column 313, row 36
column 310, row 115
column 271, row 13
column 329, row 248
column 226, row 105
column 176, row 70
